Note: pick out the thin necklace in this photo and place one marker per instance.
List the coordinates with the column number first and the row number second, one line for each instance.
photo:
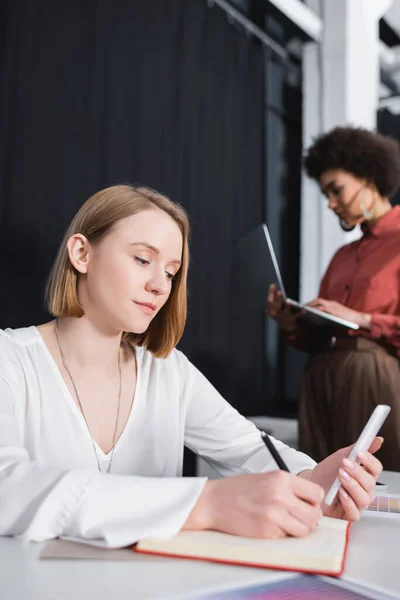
column 81, row 407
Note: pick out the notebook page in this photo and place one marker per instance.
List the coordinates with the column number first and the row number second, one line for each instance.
column 322, row 550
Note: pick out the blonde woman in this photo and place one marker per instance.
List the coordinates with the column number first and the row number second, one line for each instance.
column 96, row 405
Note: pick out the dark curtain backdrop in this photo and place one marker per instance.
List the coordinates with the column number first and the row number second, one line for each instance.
column 389, row 124
column 165, row 93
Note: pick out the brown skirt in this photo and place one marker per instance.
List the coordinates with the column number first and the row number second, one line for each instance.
column 340, row 388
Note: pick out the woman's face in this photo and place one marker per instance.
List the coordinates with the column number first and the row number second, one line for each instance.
column 127, row 277
column 344, row 192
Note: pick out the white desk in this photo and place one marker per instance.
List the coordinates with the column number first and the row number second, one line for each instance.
column 373, row 557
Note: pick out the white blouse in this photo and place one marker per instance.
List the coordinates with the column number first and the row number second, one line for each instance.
column 50, row 485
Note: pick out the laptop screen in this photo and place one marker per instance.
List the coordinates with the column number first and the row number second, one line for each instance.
column 258, row 267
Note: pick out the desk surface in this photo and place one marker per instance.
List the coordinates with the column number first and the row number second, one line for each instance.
column 373, row 558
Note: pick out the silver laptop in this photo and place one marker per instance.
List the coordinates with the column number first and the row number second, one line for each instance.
column 259, row 268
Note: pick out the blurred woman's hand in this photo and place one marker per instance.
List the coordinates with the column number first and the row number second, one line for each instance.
column 343, row 312
column 281, row 311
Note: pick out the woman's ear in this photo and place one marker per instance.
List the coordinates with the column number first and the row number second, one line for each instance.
column 79, row 250
column 372, row 187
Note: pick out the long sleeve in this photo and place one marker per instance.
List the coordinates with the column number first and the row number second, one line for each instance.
column 362, row 286
column 49, row 486
column 385, row 327
column 365, row 276
column 39, row 502
column 228, row 441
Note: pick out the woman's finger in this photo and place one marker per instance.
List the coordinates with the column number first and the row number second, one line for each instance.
column 374, row 447
column 271, row 293
column 286, row 309
column 306, row 513
column 366, row 479
column 351, row 512
column 370, row 463
column 270, row 299
column 376, row 444
column 316, row 302
column 271, row 308
column 360, row 496
column 278, row 302
column 293, row 526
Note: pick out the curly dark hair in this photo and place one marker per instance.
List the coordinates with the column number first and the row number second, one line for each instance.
column 362, row 153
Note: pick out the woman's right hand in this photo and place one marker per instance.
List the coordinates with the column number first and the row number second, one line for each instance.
column 263, row 505
column 281, row 311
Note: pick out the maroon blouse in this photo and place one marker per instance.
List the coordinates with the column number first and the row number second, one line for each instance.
column 365, row 276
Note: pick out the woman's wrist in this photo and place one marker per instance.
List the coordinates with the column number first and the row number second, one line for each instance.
column 202, row 514
column 364, row 322
column 288, row 326
column 307, row 474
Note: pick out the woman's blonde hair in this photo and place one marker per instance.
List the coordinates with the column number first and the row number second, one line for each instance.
column 95, row 219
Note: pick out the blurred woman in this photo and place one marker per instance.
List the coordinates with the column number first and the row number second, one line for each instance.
column 349, row 372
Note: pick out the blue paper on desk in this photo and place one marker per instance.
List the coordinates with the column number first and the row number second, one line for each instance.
column 304, row 587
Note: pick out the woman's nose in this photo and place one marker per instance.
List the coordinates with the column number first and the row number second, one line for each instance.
column 158, row 284
column 332, row 202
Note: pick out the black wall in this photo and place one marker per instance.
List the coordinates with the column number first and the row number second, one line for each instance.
column 168, row 94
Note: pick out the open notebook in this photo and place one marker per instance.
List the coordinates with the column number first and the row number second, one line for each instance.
column 322, row 552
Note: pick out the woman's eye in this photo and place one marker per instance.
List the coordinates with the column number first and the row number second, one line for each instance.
column 170, row 276
column 141, row 261
column 337, row 191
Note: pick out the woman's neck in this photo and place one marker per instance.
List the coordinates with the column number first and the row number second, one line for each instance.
column 383, row 207
column 87, row 346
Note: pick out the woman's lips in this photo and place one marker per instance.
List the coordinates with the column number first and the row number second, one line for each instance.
column 147, row 307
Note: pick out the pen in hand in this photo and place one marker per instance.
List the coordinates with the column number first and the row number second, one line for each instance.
column 274, row 452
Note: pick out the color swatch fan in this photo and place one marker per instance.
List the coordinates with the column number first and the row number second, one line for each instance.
column 385, row 506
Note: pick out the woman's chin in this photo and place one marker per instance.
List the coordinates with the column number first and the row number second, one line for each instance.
column 346, row 224
column 138, row 328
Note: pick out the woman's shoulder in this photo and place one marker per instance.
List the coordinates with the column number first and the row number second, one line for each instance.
column 345, row 252
column 19, row 338
column 176, row 361
column 16, row 343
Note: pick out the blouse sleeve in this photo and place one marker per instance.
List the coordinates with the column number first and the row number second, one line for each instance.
column 230, row 443
column 385, row 327
column 40, row 502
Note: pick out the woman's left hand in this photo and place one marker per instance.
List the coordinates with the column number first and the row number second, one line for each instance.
column 357, row 489
column 343, row 312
